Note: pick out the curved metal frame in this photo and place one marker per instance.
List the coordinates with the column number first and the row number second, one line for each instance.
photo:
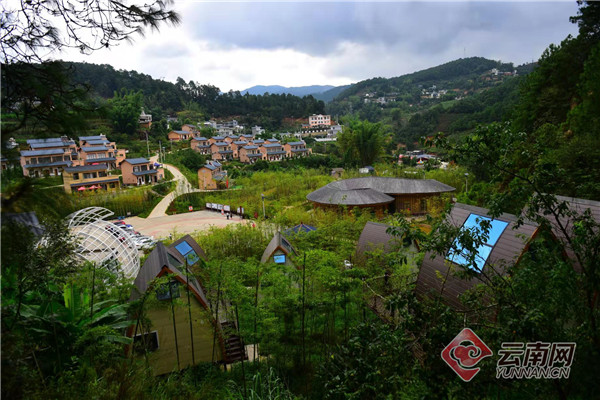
column 100, row 241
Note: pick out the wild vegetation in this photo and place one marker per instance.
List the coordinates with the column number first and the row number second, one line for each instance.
column 325, row 329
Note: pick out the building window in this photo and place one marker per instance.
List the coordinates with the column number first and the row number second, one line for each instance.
column 167, row 291
column 145, row 342
column 460, row 256
column 76, row 176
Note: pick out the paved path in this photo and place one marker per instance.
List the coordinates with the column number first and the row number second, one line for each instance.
column 179, row 224
column 182, row 187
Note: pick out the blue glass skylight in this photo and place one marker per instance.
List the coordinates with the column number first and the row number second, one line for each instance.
column 459, row 256
column 186, row 251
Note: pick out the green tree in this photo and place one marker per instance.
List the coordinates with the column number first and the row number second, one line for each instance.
column 125, row 109
column 367, row 139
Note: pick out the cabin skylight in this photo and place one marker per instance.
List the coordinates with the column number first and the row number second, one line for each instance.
column 473, row 222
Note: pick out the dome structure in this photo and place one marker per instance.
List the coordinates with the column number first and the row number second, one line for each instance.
column 102, row 242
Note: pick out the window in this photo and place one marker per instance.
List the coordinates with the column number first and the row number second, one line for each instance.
column 167, row 291
column 145, row 342
column 473, row 223
column 187, row 252
column 76, row 176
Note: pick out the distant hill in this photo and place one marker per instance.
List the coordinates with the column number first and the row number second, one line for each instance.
column 296, row 91
column 454, row 74
column 330, row 94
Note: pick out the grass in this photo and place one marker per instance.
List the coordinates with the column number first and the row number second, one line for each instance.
column 282, row 190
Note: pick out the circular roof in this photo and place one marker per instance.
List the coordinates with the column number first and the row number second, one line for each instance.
column 373, row 190
column 102, row 242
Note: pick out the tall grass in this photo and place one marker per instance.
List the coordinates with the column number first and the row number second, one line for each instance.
column 282, row 190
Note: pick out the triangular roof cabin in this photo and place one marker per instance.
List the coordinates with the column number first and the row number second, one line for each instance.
column 168, row 338
column 278, row 250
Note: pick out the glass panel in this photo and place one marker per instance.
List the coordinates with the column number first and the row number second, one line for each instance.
column 183, row 248
column 483, row 252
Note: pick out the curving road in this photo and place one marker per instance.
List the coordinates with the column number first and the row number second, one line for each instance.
column 183, row 186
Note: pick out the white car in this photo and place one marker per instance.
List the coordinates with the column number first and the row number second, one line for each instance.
column 144, row 242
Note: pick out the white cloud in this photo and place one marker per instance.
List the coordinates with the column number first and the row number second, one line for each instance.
column 235, row 46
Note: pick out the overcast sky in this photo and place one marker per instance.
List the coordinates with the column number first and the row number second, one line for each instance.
column 235, row 45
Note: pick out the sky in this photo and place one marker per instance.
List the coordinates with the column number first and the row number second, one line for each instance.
column 236, row 45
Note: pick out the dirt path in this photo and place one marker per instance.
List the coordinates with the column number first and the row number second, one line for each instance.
column 161, row 227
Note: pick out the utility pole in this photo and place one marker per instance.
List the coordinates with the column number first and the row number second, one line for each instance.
column 466, row 182
column 263, row 201
column 147, row 144
column 159, row 151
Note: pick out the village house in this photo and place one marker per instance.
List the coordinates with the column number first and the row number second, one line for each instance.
column 189, row 128
column 89, row 177
column 216, row 139
column 225, row 130
column 98, row 149
column 178, row 136
column 250, row 154
column 145, row 120
column 272, row 152
column 45, row 162
column 296, row 149
column 319, row 120
column 236, row 146
column 47, row 157
column 201, row 145
column 210, row 175
column 257, row 130
column 140, row 171
column 221, row 151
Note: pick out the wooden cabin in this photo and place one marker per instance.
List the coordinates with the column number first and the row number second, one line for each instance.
column 169, row 339
column 505, row 245
column 413, row 196
column 279, row 250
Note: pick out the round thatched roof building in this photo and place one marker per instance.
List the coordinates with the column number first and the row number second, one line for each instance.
column 392, row 194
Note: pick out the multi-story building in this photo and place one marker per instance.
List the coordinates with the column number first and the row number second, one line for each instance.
column 319, row 120
column 296, row 149
column 47, row 157
column 45, row 162
column 210, row 175
column 236, row 146
column 257, row 130
column 249, row 154
column 89, row 177
column 272, row 152
column 140, row 171
column 201, row 145
column 216, row 139
column 98, row 149
column 221, row 151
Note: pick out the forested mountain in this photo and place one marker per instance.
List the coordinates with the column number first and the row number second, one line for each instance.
column 296, row 91
column 458, row 78
column 161, row 98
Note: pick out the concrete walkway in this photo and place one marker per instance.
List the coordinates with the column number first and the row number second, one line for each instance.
column 182, row 187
